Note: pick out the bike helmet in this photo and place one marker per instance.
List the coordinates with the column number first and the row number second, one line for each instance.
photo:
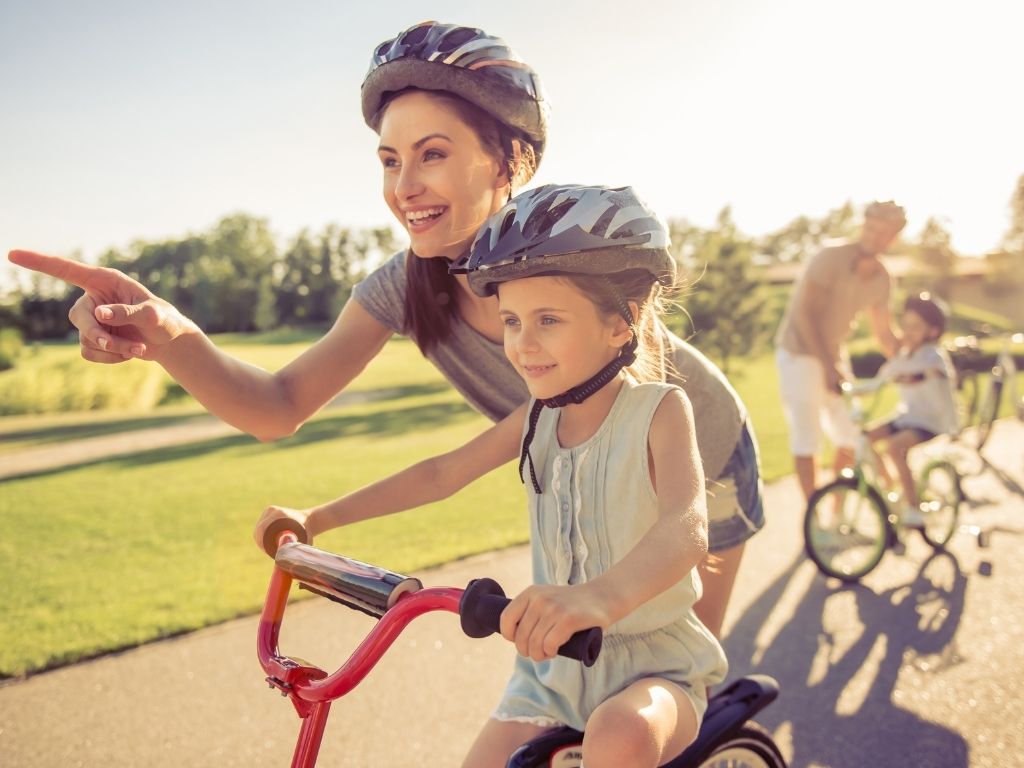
column 465, row 61
column 568, row 228
column 931, row 309
column 887, row 211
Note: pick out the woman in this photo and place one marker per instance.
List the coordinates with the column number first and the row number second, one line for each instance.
column 462, row 123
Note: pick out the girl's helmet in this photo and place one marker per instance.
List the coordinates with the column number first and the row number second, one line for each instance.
column 568, row 228
column 931, row 309
column 465, row 61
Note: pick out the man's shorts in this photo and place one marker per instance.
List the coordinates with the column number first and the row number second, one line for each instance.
column 735, row 497
column 809, row 407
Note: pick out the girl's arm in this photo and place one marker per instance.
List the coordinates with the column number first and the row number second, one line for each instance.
column 542, row 618
column 428, row 481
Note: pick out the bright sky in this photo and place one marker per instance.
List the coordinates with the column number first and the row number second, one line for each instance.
column 124, row 119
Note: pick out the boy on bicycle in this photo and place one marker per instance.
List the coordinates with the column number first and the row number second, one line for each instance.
column 925, row 377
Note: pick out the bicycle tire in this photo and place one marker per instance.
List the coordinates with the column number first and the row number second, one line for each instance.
column 967, row 402
column 750, row 747
column 988, row 410
column 852, row 548
column 941, row 497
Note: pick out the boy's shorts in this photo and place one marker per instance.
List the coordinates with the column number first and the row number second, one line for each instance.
column 894, row 426
column 809, row 408
column 735, row 497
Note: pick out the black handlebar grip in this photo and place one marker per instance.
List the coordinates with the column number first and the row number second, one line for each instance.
column 276, row 528
column 480, row 613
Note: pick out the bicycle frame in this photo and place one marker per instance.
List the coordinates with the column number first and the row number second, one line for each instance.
column 394, row 600
column 310, row 688
column 866, row 469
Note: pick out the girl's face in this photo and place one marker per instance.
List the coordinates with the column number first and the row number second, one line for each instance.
column 439, row 181
column 554, row 335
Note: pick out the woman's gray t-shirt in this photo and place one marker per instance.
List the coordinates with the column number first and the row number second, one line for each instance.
column 478, row 369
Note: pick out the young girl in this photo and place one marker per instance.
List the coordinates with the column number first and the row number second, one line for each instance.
column 462, row 122
column 925, row 377
column 609, row 458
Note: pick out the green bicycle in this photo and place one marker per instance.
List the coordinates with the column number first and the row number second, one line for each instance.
column 850, row 522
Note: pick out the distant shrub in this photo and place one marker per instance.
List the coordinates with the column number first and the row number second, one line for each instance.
column 48, row 386
column 11, row 346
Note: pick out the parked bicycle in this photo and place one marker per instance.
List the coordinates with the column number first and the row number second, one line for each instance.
column 727, row 736
column 982, row 400
column 851, row 522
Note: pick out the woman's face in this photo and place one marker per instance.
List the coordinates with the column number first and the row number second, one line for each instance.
column 439, row 181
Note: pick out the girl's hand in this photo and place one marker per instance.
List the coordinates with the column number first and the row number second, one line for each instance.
column 300, row 517
column 117, row 318
column 542, row 618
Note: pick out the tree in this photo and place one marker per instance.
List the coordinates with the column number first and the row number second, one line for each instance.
column 1013, row 240
column 724, row 306
column 805, row 236
column 1007, row 265
column 934, row 251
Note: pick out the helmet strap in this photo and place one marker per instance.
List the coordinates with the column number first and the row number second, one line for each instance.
column 579, row 393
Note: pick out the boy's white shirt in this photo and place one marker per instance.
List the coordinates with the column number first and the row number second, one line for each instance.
column 929, row 404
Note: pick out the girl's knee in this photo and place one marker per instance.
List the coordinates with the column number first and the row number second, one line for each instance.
column 621, row 737
column 648, row 723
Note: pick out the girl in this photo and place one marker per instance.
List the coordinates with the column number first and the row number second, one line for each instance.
column 609, row 457
column 462, row 123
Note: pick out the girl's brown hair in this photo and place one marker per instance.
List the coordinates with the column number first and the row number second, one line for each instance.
column 638, row 286
column 431, row 293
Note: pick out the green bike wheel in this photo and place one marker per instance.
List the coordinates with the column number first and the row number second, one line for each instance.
column 846, row 529
column 941, row 497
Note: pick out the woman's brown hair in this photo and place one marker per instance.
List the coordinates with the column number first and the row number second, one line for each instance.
column 431, row 293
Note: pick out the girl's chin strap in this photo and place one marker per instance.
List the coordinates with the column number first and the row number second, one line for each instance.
column 575, row 396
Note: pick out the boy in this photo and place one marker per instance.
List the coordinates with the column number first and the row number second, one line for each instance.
column 925, row 376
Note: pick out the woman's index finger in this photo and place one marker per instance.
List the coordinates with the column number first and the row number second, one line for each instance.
column 68, row 270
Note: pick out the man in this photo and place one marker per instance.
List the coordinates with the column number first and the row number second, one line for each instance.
column 834, row 287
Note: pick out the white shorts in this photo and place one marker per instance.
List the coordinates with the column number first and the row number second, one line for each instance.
column 809, row 407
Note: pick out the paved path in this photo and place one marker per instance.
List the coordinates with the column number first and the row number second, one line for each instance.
column 192, row 429
column 921, row 665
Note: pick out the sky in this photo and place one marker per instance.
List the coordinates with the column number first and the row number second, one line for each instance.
column 123, row 120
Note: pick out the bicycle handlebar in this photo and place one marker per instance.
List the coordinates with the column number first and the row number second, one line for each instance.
column 392, row 598
column 480, row 612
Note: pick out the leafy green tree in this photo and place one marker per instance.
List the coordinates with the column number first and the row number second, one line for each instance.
column 934, row 252
column 298, row 267
column 724, row 306
column 1007, row 265
column 805, row 236
column 1013, row 240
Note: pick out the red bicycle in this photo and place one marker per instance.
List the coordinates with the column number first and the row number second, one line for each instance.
column 726, row 736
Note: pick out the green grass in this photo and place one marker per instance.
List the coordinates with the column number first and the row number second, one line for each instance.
column 125, row 551
column 120, row 552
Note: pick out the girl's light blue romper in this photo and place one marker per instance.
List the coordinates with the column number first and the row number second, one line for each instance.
column 597, row 502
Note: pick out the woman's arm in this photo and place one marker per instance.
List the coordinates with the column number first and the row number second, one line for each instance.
column 118, row 319
column 542, row 618
column 273, row 405
column 428, row 481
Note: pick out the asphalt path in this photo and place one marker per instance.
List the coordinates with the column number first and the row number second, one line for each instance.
column 922, row 664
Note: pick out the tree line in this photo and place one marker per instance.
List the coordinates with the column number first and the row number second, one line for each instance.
column 235, row 277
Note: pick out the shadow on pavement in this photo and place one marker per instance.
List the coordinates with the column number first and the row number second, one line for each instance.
column 837, row 681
